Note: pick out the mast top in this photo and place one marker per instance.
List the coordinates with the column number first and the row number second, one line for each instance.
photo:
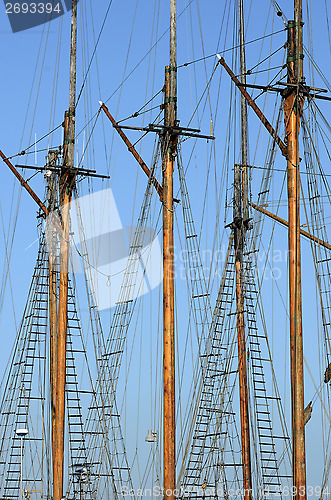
column 73, row 59
column 172, row 117
column 298, row 40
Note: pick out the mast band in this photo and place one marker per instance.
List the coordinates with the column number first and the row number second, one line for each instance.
column 293, row 24
column 170, row 68
column 295, row 58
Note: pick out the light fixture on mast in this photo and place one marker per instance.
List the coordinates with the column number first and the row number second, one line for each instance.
column 151, row 436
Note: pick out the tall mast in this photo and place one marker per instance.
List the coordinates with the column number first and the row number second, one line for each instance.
column 66, row 186
column 292, row 110
column 168, row 157
column 240, row 227
column 244, row 139
column 52, row 247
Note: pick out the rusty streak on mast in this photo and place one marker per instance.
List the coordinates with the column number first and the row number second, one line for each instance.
column 67, row 181
column 292, row 111
column 132, row 149
column 168, row 158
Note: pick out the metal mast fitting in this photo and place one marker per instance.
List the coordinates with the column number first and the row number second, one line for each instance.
column 168, row 159
column 67, row 181
column 292, row 111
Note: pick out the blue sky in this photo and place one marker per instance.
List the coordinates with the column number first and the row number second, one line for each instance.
column 33, row 101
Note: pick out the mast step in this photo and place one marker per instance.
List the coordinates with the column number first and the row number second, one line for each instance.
column 273, row 437
column 273, row 475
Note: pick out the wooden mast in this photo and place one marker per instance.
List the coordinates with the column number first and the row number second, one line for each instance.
column 240, row 227
column 52, row 295
column 243, row 106
column 168, row 158
column 67, row 180
column 292, row 111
